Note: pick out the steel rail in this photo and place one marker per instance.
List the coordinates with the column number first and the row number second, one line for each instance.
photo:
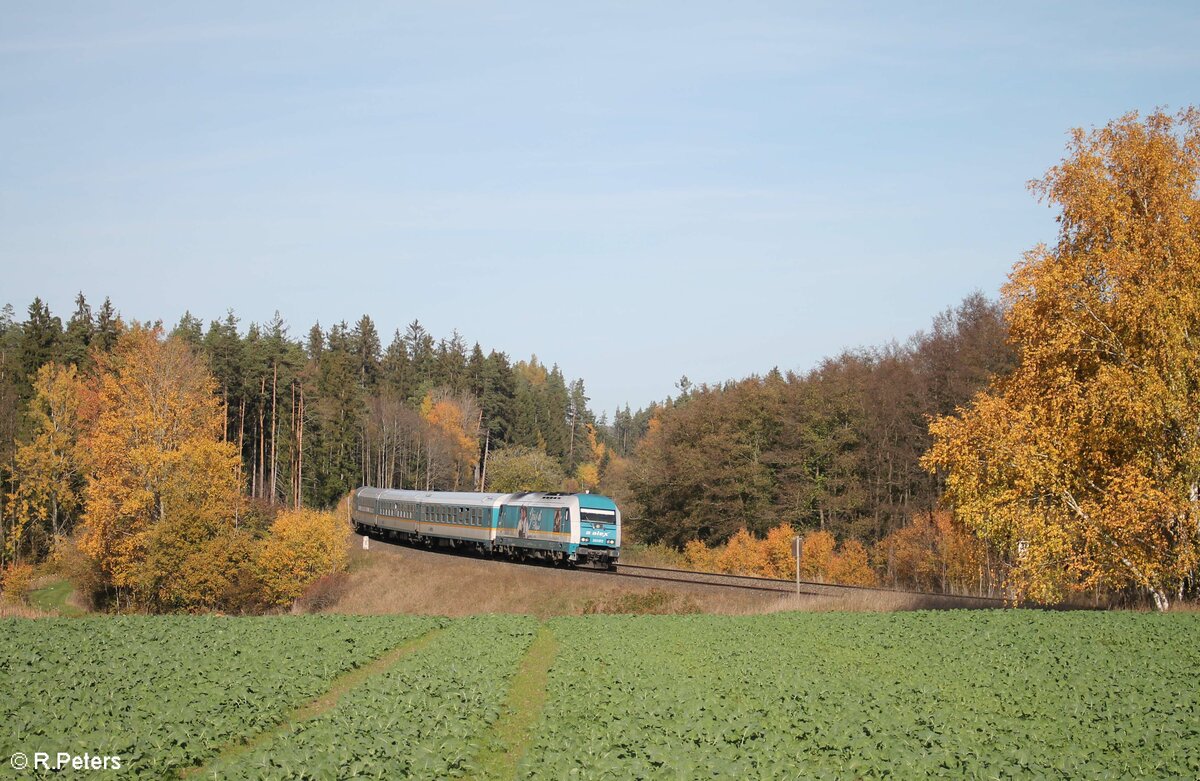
column 690, row 582
column 785, row 585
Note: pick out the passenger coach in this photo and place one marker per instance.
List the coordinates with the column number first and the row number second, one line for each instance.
column 571, row 528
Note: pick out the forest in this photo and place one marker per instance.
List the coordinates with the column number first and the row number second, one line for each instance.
column 836, row 449
column 1044, row 443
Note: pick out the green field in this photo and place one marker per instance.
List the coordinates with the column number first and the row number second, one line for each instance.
column 956, row 694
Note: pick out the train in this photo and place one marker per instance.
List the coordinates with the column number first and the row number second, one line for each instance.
column 570, row 529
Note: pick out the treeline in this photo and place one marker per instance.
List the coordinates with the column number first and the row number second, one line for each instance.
column 309, row 420
column 837, row 448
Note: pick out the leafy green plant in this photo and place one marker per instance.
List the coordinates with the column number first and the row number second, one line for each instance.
column 163, row 693
column 954, row 694
column 425, row 718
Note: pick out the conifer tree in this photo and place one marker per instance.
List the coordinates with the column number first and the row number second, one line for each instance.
column 78, row 336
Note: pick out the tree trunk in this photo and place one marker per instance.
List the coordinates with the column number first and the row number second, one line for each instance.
column 300, row 453
column 274, row 382
column 261, row 476
column 487, row 443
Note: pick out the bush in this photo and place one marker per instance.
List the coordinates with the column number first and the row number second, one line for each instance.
column 816, row 554
column 323, row 593
column 220, row 574
column 17, row 579
column 302, row 546
column 850, row 567
column 656, row 601
column 518, row 468
column 81, row 570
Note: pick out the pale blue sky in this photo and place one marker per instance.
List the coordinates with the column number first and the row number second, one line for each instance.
column 633, row 190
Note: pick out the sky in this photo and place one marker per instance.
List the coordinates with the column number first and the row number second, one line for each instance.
column 634, row 191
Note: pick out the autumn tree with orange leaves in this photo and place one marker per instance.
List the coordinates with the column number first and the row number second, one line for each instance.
column 457, row 419
column 821, row 558
column 934, row 552
column 163, row 488
column 1083, row 465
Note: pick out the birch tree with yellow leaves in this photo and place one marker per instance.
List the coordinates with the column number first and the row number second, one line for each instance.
column 162, row 485
column 49, row 483
column 1083, row 465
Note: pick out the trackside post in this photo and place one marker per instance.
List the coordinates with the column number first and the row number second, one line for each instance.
column 796, row 555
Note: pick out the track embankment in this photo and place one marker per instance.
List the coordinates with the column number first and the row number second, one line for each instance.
column 803, row 588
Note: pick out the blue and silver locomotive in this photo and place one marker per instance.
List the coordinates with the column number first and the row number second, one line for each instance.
column 568, row 528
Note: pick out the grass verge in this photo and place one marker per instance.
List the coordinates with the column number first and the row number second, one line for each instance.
column 54, row 598
column 513, row 732
column 318, row 706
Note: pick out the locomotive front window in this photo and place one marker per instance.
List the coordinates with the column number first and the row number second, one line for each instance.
column 598, row 516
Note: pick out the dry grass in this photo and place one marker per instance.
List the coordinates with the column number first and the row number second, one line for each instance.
column 398, row 579
column 391, row 578
column 9, row 610
column 866, row 601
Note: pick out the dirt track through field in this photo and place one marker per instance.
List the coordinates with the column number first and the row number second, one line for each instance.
column 316, row 706
column 511, row 734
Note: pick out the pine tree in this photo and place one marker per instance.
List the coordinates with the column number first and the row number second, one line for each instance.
column 421, row 356
column 395, row 370
column 366, row 348
column 41, row 336
column 497, row 398
column 78, row 337
column 108, row 327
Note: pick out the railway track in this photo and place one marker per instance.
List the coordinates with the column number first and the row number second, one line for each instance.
column 755, row 583
column 806, row 588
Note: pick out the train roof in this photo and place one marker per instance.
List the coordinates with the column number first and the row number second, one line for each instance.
column 596, row 502
column 429, row 497
column 591, row 501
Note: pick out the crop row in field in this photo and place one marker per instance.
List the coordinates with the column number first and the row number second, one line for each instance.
column 956, row 694
column 163, row 693
column 980, row 695
column 425, row 718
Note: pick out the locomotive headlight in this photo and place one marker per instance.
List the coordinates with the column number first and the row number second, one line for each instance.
column 585, row 539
